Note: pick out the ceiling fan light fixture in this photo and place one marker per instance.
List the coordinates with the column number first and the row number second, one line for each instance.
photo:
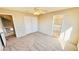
column 38, row 11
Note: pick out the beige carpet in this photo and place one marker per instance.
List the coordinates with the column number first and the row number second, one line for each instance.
column 33, row 42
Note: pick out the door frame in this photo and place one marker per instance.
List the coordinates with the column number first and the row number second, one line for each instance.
column 12, row 21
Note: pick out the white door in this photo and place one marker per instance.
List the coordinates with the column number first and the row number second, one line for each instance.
column 2, row 35
column 34, row 24
column 28, row 27
column 1, row 29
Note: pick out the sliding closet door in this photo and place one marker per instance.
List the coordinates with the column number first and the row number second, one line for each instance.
column 34, row 23
column 31, row 24
column 28, row 27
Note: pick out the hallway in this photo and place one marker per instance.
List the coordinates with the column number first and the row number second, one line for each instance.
column 33, row 42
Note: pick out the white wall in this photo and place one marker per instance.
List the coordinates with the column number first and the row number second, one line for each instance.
column 45, row 24
column 20, row 23
column 71, row 19
column 18, row 19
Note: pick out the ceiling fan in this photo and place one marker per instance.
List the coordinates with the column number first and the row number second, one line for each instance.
column 38, row 11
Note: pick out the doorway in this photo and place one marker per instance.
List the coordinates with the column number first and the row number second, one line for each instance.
column 8, row 26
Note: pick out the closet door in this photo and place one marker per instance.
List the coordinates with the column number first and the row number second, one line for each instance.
column 34, row 24
column 28, row 27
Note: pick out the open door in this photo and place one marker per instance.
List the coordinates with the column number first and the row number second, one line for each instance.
column 2, row 36
column 57, row 27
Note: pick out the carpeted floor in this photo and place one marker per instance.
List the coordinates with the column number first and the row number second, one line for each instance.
column 33, row 42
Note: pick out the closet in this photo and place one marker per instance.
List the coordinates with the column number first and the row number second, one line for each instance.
column 30, row 24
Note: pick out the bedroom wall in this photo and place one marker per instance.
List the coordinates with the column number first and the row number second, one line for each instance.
column 18, row 19
column 70, row 20
column 45, row 23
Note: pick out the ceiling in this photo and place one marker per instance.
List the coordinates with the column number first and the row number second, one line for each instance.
column 31, row 9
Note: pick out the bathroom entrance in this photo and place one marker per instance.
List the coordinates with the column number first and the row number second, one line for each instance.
column 8, row 26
